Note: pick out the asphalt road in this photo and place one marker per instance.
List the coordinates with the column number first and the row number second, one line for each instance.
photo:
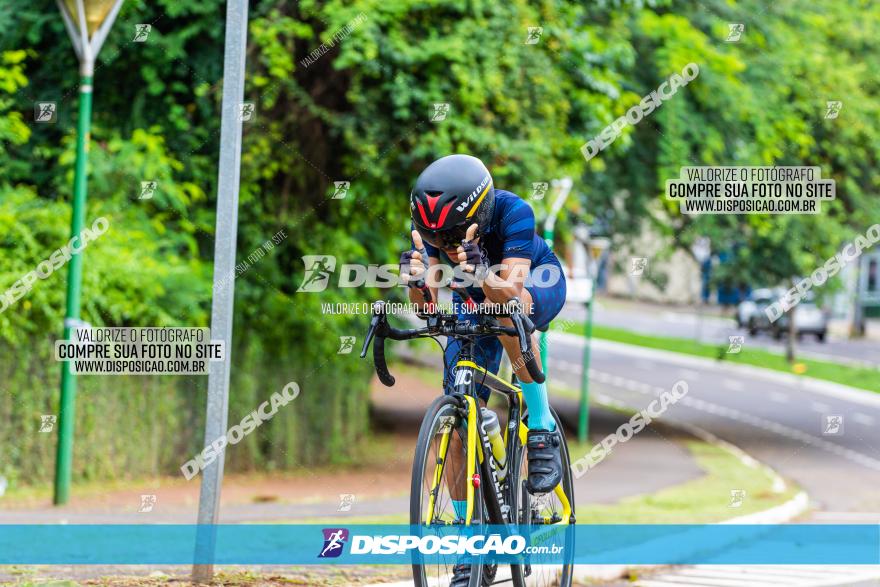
column 779, row 420
column 782, row 424
column 711, row 328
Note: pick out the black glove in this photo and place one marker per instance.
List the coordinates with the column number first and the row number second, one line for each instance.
column 476, row 257
column 405, row 262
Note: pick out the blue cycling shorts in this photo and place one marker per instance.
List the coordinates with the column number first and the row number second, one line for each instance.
column 547, row 301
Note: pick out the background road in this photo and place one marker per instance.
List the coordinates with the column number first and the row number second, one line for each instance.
column 777, row 422
column 713, row 329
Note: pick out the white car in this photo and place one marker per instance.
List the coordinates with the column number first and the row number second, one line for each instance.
column 808, row 319
column 750, row 312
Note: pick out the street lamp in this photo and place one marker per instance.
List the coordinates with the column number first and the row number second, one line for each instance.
column 563, row 189
column 87, row 22
column 595, row 247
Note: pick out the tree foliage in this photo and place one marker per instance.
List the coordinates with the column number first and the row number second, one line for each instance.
column 362, row 112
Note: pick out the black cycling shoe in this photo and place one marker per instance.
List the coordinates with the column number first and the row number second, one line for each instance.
column 545, row 461
column 461, row 575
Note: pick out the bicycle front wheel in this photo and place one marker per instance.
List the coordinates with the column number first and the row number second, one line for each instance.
column 544, row 510
column 439, row 478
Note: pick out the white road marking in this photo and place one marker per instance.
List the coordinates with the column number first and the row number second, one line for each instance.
column 863, row 419
column 852, row 517
column 733, row 384
column 764, row 424
column 778, row 397
column 820, row 407
column 762, row 575
column 689, row 374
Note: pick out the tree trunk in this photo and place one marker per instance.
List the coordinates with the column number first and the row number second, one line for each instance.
column 792, row 334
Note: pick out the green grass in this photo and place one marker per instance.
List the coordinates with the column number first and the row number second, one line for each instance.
column 861, row 377
column 700, row 501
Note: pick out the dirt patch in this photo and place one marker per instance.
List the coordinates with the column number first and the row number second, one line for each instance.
column 318, row 576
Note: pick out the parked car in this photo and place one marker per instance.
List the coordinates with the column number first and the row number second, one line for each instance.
column 808, row 319
column 750, row 312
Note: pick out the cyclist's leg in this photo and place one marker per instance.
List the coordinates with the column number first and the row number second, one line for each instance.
column 547, row 302
column 487, row 355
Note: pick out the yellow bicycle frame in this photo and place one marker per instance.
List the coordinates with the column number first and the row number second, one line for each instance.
column 474, row 449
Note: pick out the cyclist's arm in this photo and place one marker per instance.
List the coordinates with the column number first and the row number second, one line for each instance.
column 509, row 282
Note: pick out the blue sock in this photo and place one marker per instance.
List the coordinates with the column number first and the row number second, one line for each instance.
column 535, row 395
column 460, row 507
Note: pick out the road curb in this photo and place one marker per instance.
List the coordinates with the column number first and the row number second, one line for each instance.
column 827, row 388
column 780, row 514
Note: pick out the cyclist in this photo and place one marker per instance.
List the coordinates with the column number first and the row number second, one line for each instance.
column 462, row 220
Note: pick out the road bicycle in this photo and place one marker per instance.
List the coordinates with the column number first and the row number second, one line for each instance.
column 453, row 433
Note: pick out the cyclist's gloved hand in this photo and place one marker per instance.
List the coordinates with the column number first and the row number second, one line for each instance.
column 412, row 266
column 471, row 257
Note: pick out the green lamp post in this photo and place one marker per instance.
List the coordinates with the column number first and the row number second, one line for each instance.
column 87, row 22
column 563, row 188
column 595, row 247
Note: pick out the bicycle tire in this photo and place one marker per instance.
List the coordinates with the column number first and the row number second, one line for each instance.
column 442, row 407
column 517, row 492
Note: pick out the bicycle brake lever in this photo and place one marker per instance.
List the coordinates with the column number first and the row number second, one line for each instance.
column 375, row 322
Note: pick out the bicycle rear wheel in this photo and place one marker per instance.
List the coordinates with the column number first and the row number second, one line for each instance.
column 434, row 477
column 535, row 511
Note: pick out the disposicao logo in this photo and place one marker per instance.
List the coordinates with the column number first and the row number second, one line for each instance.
column 334, row 541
